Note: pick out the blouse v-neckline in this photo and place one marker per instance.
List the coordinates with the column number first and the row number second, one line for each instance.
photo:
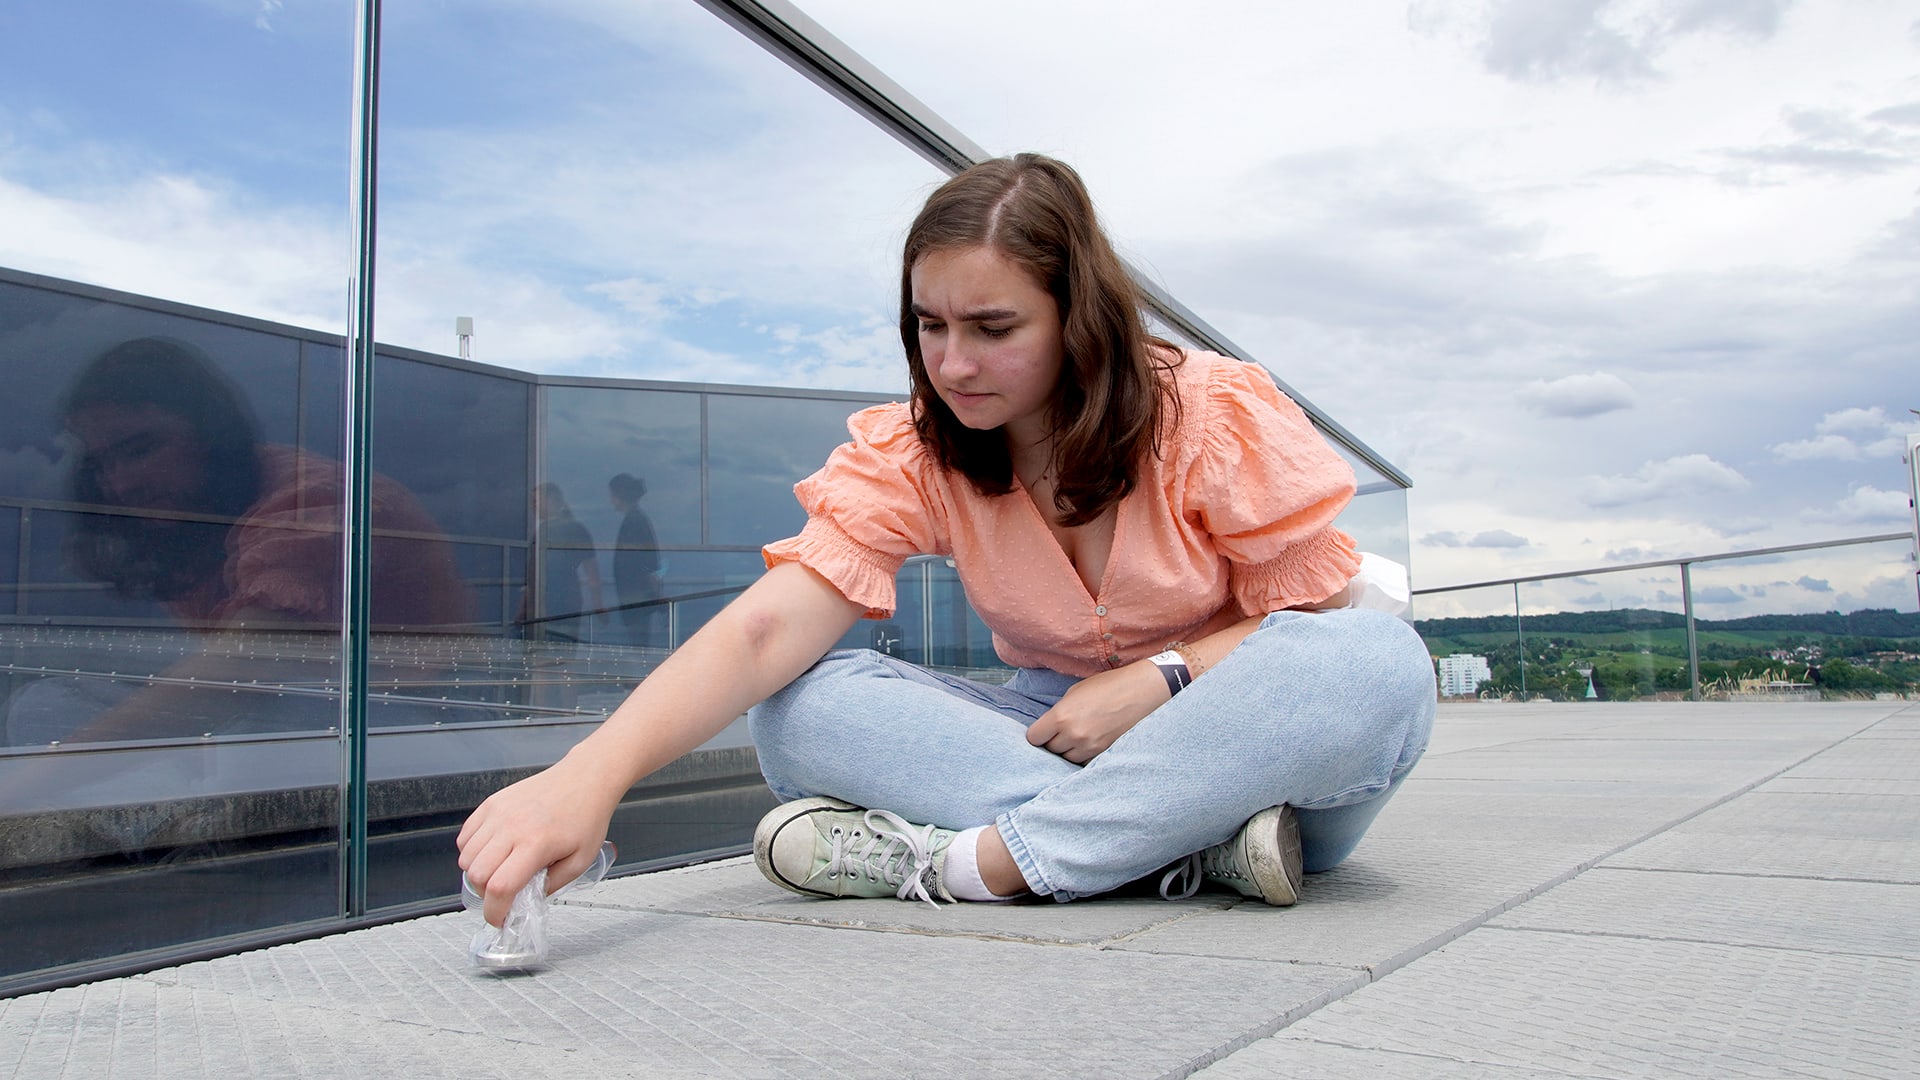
column 1039, row 517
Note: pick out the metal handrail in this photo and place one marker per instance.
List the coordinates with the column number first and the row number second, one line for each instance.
column 1685, row 565
column 1682, row 561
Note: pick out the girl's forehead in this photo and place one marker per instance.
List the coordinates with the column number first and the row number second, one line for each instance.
column 972, row 272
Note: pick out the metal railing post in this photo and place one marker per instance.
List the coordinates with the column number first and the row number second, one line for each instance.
column 356, row 448
column 1520, row 639
column 1693, row 639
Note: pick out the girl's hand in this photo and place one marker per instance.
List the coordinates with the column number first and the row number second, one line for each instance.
column 1098, row 710
column 553, row 820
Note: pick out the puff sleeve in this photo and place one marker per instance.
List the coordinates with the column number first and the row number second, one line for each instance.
column 874, row 503
column 1266, row 486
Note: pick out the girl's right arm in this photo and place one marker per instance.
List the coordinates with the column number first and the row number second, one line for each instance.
column 556, row 819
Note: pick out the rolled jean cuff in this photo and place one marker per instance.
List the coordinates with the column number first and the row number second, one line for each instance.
column 1023, row 858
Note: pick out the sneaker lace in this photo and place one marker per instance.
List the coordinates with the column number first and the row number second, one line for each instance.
column 892, row 851
column 1184, row 877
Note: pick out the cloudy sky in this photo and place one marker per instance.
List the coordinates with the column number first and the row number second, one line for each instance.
column 1612, row 280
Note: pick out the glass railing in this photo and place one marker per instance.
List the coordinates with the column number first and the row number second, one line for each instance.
column 1830, row 620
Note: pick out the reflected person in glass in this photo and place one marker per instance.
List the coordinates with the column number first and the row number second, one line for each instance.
column 636, row 560
column 1147, row 530
column 181, row 502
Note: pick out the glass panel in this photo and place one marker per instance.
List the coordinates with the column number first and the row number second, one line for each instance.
column 1837, row 622
column 1377, row 521
column 608, row 195
column 1473, row 637
column 169, row 499
column 1610, row 637
column 758, row 448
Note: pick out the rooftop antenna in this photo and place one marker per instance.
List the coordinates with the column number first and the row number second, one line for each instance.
column 463, row 331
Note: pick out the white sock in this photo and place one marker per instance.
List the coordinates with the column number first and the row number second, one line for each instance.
column 961, row 875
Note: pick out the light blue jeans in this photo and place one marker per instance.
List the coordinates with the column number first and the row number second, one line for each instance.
column 1326, row 712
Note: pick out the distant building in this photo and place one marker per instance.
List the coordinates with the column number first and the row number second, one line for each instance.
column 1462, row 673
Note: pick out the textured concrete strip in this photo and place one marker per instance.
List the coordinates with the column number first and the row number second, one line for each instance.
column 694, row 995
column 136, row 1028
column 1616, row 1007
column 1866, row 918
column 735, row 888
column 1858, row 837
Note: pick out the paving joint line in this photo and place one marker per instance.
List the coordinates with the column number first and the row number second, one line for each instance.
column 1615, row 935
column 1475, row 1062
column 1754, row 874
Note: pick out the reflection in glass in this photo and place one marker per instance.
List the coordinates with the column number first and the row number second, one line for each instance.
column 171, row 648
column 758, row 449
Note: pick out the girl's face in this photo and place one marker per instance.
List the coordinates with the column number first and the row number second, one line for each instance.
column 991, row 340
column 143, row 456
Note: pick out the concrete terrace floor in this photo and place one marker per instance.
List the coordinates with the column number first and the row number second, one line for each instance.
column 1591, row 890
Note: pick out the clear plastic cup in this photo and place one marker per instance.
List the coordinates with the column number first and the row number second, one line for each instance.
column 520, row 942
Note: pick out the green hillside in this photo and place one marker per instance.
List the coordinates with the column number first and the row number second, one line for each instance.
column 1637, row 652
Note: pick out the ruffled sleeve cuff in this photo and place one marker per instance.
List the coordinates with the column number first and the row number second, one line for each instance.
column 862, row 575
column 1305, row 573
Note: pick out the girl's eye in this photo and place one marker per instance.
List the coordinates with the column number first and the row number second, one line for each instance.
column 996, row 331
column 929, row 327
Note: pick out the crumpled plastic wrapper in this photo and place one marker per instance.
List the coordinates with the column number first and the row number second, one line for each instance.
column 519, row 943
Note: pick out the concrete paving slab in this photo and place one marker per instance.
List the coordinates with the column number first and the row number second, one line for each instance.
column 1791, row 784
column 1705, row 765
column 678, row 994
column 1482, row 929
column 1616, row 1007
column 138, row 1028
column 1599, row 813
column 1859, row 917
column 1393, row 899
column 1839, row 837
column 1865, row 759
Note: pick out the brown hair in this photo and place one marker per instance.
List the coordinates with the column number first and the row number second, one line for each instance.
column 1108, row 407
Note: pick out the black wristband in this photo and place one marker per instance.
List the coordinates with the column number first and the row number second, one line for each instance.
column 1173, row 668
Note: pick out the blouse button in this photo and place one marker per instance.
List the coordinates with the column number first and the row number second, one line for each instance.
column 1100, row 609
column 1106, row 636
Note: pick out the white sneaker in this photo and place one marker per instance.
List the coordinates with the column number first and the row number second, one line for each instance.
column 825, row 847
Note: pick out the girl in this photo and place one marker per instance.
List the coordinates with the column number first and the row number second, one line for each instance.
column 1148, row 532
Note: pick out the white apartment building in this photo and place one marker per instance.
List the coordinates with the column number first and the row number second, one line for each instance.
column 1462, row 673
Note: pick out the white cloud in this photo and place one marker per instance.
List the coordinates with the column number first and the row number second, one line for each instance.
column 1850, row 434
column 1871, row 420
column 1867, row 505
column 1493, row 538
column 1578, row 395
column 1685, row 476
column 1820, row 448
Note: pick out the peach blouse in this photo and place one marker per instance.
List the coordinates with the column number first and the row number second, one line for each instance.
column 1234, row 519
